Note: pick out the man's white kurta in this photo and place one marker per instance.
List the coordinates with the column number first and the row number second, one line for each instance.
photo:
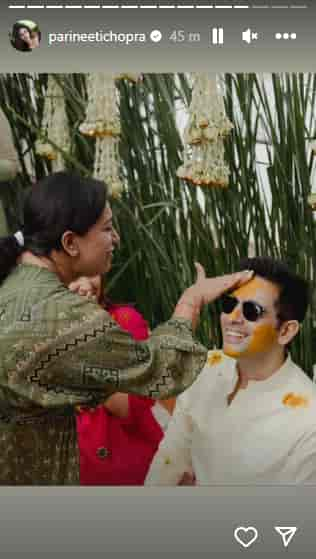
column 266, row 435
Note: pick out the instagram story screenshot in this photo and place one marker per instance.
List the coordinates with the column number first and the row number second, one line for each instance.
column 157, row 277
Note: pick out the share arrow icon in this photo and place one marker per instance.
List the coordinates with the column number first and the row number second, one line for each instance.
column 286, row 533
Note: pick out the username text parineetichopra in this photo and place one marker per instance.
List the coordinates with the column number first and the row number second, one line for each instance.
column 100, row 36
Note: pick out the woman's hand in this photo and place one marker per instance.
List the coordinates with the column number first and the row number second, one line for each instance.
column 206, row 290
column 188, row 478
column 118, row 404
column 34, row 40
column 87, row 287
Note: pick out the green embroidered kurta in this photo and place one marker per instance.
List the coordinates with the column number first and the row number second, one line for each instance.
column 59, row 350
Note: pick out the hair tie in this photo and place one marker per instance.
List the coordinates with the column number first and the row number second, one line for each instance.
column 19, row 238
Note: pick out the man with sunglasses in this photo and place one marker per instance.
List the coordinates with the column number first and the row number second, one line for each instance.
column 251, row 415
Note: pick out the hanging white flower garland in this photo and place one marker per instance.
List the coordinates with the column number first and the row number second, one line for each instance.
column 106, row 166
column 129, row 76
column 55, row 127
column 103, row 123
column 312, row 201
column 204, row 135
column 102, row 115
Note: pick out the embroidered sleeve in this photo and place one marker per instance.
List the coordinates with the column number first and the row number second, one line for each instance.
column 85, row 356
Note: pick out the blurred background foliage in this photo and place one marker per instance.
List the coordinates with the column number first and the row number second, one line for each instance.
column 165, row 224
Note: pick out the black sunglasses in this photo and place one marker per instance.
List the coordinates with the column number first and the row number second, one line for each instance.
column 252, row 311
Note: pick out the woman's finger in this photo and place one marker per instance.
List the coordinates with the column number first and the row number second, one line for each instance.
column 227, row 283
column 244, row 277
column 200, row 272
column 84, row 291
column 234, row 280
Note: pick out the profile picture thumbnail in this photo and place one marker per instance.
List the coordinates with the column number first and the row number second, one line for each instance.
column 25, row 35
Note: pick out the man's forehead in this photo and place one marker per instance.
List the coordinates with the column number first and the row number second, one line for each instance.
column 256, row 288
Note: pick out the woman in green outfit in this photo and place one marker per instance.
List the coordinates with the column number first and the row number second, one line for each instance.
column 58, row 349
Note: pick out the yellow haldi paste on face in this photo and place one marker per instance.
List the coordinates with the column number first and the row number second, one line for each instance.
column 262, row 338
column 249, row 289
column 263, row 335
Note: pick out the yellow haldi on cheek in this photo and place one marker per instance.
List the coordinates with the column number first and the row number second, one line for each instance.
column 263, row 337
column 231, row 352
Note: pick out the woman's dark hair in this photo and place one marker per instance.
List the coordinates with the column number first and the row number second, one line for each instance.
column 294, row 290
column 59, row 202
column 16, row 40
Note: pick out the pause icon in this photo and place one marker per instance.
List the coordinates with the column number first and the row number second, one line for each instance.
column 217, row 35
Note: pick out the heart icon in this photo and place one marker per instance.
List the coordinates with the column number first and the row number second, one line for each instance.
column 246, row 535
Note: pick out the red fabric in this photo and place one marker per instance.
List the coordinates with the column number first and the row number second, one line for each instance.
column 114, row 450
column 130, row 320
column 131, row 443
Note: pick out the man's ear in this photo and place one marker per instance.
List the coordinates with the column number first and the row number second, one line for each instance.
column 70, row 244
column 288, row 331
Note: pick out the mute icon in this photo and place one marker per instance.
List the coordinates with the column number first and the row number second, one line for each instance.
column 248, row 36
column 287, row 533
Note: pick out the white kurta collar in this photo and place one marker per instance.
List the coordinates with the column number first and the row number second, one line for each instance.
column 272, row 383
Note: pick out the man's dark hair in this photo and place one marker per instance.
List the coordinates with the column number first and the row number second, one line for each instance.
column 294, row 290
